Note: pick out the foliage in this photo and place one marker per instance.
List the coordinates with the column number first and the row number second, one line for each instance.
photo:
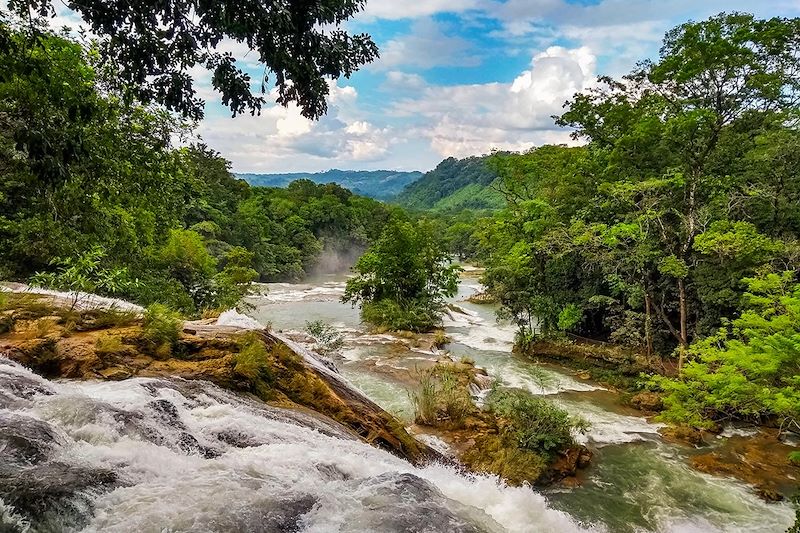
column 90, row 176
column 453, row 184
column 328, row 339
column 748, row 369
column 84, row 274
column 402, row 280
column 155, row 64
column 161, row 327
column 685, row 187
column 442, row 396
column 535, row 424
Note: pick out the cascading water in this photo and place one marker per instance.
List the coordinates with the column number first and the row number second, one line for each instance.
column 638, row 481
column 171, row 455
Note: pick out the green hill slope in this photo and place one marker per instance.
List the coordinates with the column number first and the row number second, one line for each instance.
column 454, row 184
column 380, row 184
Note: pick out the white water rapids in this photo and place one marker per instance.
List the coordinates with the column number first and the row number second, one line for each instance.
column 156, row 455
column 147, row 455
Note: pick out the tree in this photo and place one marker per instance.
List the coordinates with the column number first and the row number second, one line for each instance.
column 749, row 368
column 681, row 123
column 152, row 45
column 402, row 280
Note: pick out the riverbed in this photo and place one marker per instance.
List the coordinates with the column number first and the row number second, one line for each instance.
column 637, row 481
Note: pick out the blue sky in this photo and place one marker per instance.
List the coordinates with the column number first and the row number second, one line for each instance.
column 457, row 78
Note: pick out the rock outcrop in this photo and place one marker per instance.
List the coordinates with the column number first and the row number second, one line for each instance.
column 63, row 343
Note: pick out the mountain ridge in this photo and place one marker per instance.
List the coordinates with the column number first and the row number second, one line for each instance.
column 378, row 184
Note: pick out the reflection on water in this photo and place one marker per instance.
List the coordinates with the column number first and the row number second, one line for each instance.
column 637, row 481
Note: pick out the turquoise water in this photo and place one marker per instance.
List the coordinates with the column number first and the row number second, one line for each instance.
column 637, row 481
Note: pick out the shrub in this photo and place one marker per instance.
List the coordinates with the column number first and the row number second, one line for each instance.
column 41, row 328
column 253, row 362
column 443, row 396
column 416, row 315
column 108, row 344
column 328, row 339
column 794, row 458
column 235, row 281
column 161, row 326
column 114, row 317
column 440, row 339
column 535, row 424
column 84, row 274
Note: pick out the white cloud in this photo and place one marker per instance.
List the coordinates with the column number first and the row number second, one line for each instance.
column 395, row 10
column 428, row 45
column 474, row 119
column 401, row 82
column 282, row 139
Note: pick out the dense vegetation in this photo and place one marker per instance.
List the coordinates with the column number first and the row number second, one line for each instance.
column 378, row 184
column 454, row 185
column 95, row 197
column 152, row 45
column 402, row 280
column 679, row 217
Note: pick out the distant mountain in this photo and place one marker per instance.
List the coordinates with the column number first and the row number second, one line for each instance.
column 380, row 184
column 454, row 184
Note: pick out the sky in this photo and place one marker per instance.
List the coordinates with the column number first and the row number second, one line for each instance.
column 456, row 78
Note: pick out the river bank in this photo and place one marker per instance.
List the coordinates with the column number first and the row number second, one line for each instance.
column 757, row 455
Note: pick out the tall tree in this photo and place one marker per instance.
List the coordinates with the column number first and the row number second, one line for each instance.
column 153, row 44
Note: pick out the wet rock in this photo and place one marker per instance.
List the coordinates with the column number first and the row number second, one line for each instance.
column 237, row 439
column 190, row 445
column 167, row 412
column 567, row 464
column 405, row 502
column 24, row 440
column 53, row 493
column 16, row 387
column 115, row 373
column 683, row 435
column 760, row 460
column 647, row 401
column 769, row 495
column 286, row 375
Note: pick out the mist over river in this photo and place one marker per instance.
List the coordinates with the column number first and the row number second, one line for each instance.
column 637, row 481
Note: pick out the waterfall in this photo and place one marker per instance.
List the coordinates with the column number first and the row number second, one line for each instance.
column 173, row 455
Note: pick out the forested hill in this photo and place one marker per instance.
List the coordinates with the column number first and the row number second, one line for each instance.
column 380, row 184
column 454, row 184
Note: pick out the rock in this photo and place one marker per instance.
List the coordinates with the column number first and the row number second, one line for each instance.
column 647, row 401
column 115, row 373
column 684, row 435
column 6, row 321
column 769, row 495
column 567, row 464
column 583, row 375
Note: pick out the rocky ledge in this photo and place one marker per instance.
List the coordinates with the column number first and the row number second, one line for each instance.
column 57, row 341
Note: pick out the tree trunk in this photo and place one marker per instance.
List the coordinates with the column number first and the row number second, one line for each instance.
column 648, row 324
column 684, row 339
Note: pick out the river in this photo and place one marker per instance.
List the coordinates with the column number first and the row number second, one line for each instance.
column 637, row 482
column 168, row 455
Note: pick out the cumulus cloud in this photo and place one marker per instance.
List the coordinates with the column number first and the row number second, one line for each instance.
column 282, row 139
column 474, row 119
